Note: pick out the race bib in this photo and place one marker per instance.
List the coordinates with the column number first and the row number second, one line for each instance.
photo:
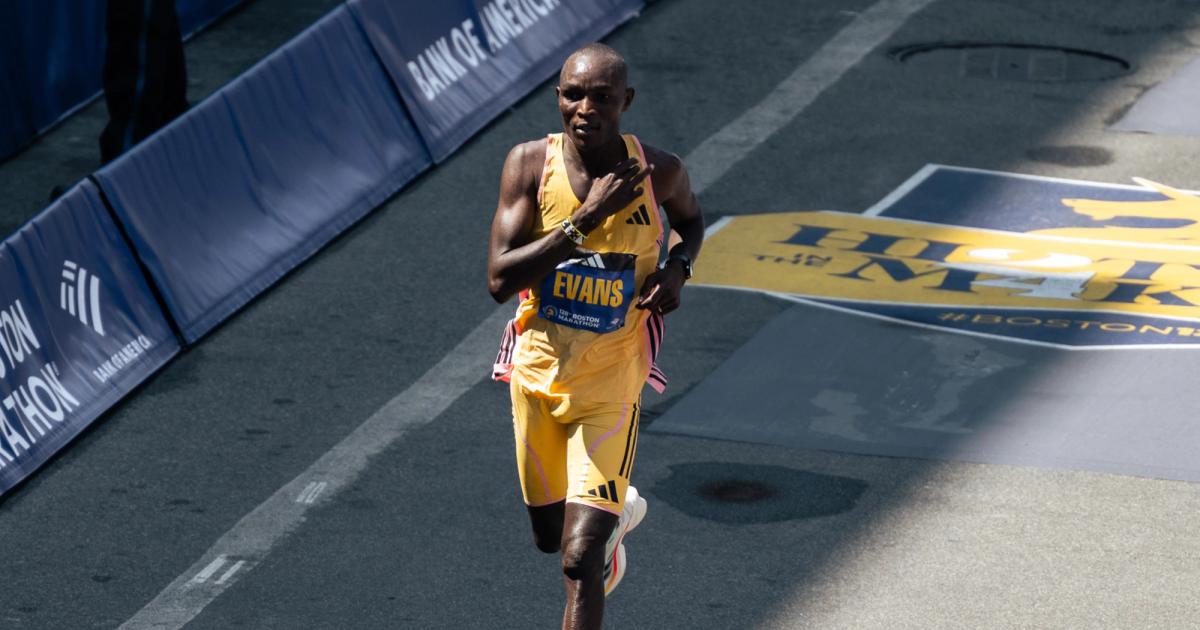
column 589, row 293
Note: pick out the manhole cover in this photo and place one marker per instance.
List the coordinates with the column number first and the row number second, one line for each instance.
column 735, row 491
column 1012, row 62
column 728, row 492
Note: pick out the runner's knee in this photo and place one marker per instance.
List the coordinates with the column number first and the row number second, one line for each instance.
column 546, row 544
column 547, row 522
column 583, row 557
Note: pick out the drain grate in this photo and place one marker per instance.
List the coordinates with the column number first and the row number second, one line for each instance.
column 1012, row 62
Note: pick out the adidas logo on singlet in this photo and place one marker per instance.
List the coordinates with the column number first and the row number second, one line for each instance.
column 594, row 261
column 605, row 491
column 640, row 217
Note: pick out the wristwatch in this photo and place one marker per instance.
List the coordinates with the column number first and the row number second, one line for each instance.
column 687, row 264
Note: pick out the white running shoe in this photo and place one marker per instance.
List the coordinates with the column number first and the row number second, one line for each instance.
column 614, row 570
column 614, row 551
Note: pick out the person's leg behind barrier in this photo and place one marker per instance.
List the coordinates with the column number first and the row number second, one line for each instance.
column 123, row 26
column 165, row 94
column 145, row 75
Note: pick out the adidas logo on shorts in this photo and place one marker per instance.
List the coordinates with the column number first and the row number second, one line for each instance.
column 605, row 491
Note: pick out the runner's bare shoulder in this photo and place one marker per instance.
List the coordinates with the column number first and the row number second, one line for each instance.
column 668, row 168
column 523, row 167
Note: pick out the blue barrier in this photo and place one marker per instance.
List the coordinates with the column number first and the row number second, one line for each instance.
column 52, row 59
column 460, row 63
column 79, row 329
column 249, row 183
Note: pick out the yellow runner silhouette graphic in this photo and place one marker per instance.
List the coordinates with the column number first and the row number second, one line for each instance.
column 1178, row 205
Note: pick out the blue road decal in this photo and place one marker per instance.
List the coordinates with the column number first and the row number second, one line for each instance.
column 1046, row 261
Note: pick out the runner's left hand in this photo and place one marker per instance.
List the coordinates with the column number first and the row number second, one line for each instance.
column 660, row 293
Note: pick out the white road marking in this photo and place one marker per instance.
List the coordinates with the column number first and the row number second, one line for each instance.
column 258, row 532
column 209, row 570
column 720, row 152
column 311, row 492
column 920, row 176
column 1047, row 178
column 901, row 190
column 716, row 227
column 233, row 569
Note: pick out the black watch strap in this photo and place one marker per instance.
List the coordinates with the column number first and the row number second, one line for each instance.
column 687, row 264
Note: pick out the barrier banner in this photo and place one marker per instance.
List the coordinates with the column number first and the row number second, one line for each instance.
column 252, row 181
column 79, row 329
column 460, row 63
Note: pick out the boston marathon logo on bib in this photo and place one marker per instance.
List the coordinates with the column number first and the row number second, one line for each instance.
column 591, row 292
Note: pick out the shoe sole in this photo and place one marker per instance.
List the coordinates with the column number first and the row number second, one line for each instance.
column 618, row 570
column 618, row 561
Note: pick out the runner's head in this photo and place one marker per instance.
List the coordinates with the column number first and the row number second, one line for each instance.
column 593, row 92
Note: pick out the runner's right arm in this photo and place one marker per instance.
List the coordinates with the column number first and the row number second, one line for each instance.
column 517, row 261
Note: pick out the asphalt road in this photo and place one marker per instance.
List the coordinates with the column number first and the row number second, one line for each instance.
column 433, row 534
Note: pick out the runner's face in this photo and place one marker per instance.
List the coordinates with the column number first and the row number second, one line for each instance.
column 591, row 97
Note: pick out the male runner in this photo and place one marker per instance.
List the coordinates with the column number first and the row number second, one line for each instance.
column 577, row 235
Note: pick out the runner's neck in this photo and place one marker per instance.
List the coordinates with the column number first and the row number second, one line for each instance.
column 599, row 162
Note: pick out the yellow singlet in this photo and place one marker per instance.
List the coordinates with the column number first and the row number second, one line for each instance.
column 577, row 335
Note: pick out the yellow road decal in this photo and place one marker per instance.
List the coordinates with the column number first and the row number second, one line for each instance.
column 843, row 256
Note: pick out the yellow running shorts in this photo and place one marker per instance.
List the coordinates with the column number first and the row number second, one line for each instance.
column 578, row 451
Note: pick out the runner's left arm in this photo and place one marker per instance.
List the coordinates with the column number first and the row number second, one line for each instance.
column 662, row 288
